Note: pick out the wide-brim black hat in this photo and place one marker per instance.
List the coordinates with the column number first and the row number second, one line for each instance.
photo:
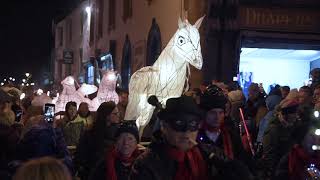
column 179, row 107
column 212, row 98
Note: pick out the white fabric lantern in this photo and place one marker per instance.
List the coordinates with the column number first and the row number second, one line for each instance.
column 168, row 75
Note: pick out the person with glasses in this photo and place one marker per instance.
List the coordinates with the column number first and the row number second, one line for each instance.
column 174, row 153
column 117, row 163
column 94, row 142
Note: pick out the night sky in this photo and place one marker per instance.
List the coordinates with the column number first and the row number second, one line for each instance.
column 26, row 34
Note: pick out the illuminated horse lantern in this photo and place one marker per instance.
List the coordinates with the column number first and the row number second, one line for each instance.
column 168, row 75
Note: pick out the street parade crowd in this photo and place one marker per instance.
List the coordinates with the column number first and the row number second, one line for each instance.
column 211, row 132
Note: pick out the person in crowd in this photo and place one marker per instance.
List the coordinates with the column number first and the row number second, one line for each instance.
column 271, row 101
column 255, row 108
column 316, row 98
column 237, row 99
column 174, row 154
column 305, row 95
column 282, row 132
column 72, row 129
column 284, row 91
column 303, row 158
column 315, row 75
column 84, row 115
column 123, row 102
column 216, row 129
column 117, row 162
column 9, row 136
column 43, row 168
column 15, row 107
column 44, row 139
column 96, row 141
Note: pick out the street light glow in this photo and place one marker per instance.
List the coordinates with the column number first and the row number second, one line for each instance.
column 22, row 84
column 10, row 78
column 27, row 74
column 2, row 84
column 24, row 80
column 32, row 84
column 88, row 9
column 13, row 79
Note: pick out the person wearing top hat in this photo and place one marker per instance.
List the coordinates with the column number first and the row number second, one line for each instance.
column 174, row 153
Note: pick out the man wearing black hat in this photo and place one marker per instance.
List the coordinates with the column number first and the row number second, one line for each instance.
column 116, row 165
column 216, row 130
column 174, row 154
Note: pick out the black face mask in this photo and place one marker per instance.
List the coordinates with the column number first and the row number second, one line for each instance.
column 184, row 123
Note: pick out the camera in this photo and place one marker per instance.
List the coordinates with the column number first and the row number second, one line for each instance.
column 49, row 110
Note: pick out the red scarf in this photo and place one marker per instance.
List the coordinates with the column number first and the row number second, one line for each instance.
column 226, row 138
column 299, row 159
column 112, row 156
column 191, row 165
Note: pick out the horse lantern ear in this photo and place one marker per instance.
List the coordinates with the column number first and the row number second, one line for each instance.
column 181, row 24
column 198, row 23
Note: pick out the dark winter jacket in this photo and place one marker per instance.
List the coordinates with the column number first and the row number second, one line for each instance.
column 89, row 151
column 277, row 141
column 9, row 138
column 155, row 164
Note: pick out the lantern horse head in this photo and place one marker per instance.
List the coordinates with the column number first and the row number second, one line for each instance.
column 167, row 77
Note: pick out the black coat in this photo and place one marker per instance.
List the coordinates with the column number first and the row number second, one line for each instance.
column 155, row 164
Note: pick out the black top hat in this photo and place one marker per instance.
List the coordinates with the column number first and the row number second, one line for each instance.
column 213, row 97
column 181, row 113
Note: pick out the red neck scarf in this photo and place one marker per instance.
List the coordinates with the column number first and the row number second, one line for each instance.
column 191, row 165
column 112, row 156
column 226, row 138
column 299, row 159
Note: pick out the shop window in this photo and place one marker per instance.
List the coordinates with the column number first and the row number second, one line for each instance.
column 127, row 10
column 106, row 62
column 112, row 15
column 90, row 75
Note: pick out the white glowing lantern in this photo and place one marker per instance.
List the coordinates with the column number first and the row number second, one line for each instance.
column 24, row 80
column 316, row 114
column 317, row 132
column 107, row 90
column 22, row 96
column 32, row 84
column 48, row 93
column 2, row 84
column 167, row 76
column 69, row 93
column 39, row 92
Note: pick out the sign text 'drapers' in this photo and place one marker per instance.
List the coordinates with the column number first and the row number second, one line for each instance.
column 279, row 18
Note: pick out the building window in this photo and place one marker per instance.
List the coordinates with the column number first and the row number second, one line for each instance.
column 69, row 25
column 92, row 33
column 126, row 62
column 154, row 43
column 100, row 14
column 186, row 5
column 112, row 15
column 82, row 18
column 113, row 52
column 127, row 10
column 60, row 35
column 90, row 74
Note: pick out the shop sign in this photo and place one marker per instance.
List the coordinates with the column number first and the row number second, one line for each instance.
column 68, row 57
column 290, row 20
